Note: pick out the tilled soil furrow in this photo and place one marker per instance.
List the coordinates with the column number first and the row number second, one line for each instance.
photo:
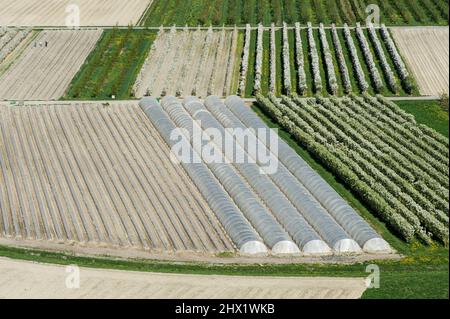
column 21, row 220
column 65, row 174
column 208, row 220
column 154, row 230
column 46, row 67
column 134, row 186
column 154, row 185
column 108, row 183
column 87, row 174
column 33, row 196
column 99, row 176
column 42, row 184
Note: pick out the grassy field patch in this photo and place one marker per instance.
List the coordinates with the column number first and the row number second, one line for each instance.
column 112, row 67
column 429, row 113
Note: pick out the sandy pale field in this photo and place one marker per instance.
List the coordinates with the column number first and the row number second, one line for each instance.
column 21, row 279
column 98, row 176
column 426, row 51
column 46, row 67
column 59, row 12
column 187, row 63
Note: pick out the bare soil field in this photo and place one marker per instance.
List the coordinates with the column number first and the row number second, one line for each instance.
column 31, row 280
column 187, row 63
column 55, row 12
column 12, row 43
column 46, row 67
column 98, row 175
column 426, row 51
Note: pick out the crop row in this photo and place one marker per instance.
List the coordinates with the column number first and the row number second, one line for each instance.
column 86, row 174
column 241, row 12
column 335, row 61
column 400, row 177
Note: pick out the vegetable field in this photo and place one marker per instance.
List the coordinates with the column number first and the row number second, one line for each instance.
column 98, row 176
column 111, row 69
column 102, row 175
column 184, row 63
column 47, row 65
column 241, row 12
column 12, row 42
column 59, row 12
column 396, row 166
column 324, row 61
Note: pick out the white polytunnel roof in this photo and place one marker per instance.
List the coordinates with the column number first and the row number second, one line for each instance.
column 290, row 211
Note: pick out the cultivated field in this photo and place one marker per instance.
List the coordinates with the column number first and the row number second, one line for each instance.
column 98, row 176
column 291, row 210
column 48, row 282
column 324, row 61
column 240, row 12
column 46, row 67
column 111, row 68
column 187, row 63
column 12, row 42
column 427, row 55
column 56, row 12
column 397, row 167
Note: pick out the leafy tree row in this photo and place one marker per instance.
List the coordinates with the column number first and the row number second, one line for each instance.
column 241, row 12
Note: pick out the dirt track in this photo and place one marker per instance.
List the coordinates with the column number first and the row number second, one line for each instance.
column 53, row 12
column 98, row 176
column 44, row 73
column 426, row 51
column 30, row 280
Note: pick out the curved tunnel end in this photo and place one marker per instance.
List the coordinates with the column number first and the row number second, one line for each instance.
column 347, row 246
column 285, row 247
column 377, row 246
column 316, row 247
column 253, row 248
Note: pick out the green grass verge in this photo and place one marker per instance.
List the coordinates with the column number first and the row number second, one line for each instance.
column 307, row 60
column 429, row 113
column 250, row 80
column 266, row 63
column 237, row 65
